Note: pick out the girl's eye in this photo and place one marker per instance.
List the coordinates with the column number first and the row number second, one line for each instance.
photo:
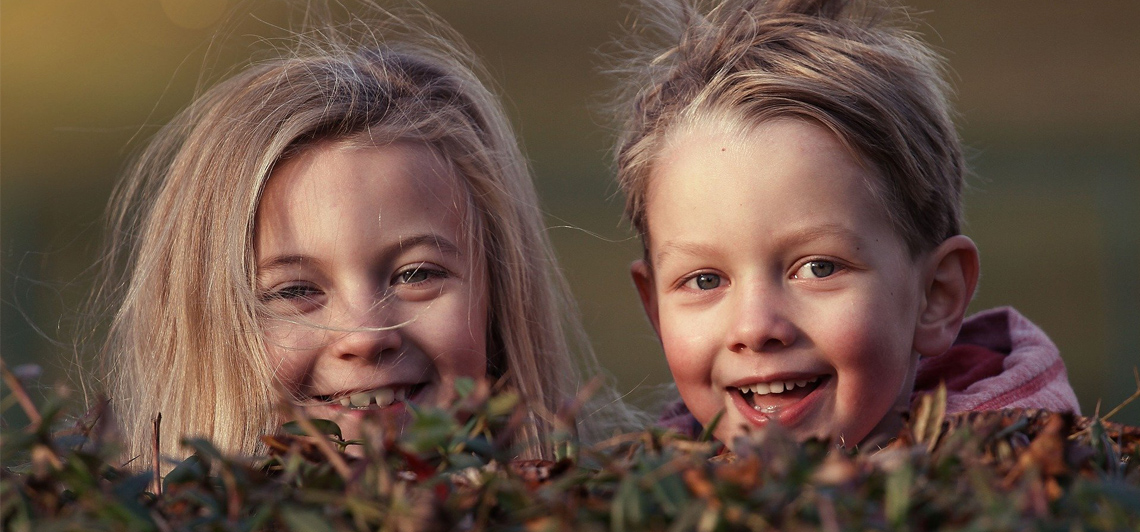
column 816, row 269
column 705, row 281
column 292, row 292
column 418, row 274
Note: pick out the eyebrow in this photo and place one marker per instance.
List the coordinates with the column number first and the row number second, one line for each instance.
column 670, row 248
column 797, row 236
column 281, row 261
column 817, row 232
column 440, row 243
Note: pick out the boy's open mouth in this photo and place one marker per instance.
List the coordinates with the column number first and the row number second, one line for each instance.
column 770, row 397
column 372, row 399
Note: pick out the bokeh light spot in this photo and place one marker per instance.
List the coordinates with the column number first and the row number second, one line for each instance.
column 194, row 14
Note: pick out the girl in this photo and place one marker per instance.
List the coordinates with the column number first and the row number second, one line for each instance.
column 352, row 224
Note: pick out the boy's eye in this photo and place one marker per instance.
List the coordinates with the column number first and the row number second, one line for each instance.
column 706, row 281
column 816, row 269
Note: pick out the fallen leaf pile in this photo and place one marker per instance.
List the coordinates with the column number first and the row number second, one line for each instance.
column 453, row 470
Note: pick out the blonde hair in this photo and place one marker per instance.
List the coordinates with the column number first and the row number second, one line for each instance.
column 185, row 341
column 879, row 89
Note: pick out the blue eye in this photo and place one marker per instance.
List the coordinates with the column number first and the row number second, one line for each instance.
column 822, row 268
column 706, row 281
column 816, row 269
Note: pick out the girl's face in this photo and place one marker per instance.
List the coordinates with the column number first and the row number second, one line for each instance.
column 373, row 291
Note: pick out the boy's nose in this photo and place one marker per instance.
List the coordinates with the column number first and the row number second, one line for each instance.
column 760, row 323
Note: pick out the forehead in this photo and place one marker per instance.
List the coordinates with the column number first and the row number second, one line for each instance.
column 388, row 177
column 742, row 132
column 338, row 191
column 784, row 175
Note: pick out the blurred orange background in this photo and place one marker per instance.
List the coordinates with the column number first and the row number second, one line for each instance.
column 1049, row 96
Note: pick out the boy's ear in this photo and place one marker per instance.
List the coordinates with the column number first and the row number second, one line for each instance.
column 951, row 275
column 642, row 274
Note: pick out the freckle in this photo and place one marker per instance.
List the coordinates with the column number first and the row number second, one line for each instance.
column 722, row 149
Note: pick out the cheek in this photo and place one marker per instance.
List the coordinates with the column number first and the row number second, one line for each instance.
column 466, row 355
column 290, row 368
column 871, row 336
column 873, row 362
column 688, row 350
column 290, row 350
column 462, row 350
column 858, row 342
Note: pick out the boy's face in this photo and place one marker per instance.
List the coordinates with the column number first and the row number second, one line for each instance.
column 778, row 287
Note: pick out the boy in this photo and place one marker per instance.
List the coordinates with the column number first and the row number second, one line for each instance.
column 795, row 177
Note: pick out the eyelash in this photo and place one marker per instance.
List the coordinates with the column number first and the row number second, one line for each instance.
column 691, row 278
column 291, row 292
column 307, row 291
column 401, row 277
column 837, row 267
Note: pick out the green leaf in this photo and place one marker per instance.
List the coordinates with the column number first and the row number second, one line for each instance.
column 203, row 447
column 133, row 487
column 898, row 494
column 431, row 428
column 501, row 405
column 259, row 519
column 325, row 426
column 189, row 470
column 304, row 520
column 707, row 432
column 464, row 386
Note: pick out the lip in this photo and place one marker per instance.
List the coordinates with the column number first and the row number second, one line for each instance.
column 331, row 402
column 334, row 396
column 788, row 416
column 783, row 376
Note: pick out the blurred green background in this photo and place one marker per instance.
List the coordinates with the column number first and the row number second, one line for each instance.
column 1049, row 96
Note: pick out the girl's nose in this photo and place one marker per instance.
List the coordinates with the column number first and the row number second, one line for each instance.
column 760, row 323
column 370, row 336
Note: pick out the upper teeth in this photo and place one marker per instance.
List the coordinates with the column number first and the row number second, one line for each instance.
column 381, row 396
column 765, row 388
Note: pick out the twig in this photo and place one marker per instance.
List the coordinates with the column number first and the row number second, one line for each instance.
column 1096, row 414
column 828, row 520
column 1135, row 395
column 321, row 440
column 233, row 501
column 569, row 412
column 619, row 439
column 160, row 522
column 22, row 397
column 155, row 457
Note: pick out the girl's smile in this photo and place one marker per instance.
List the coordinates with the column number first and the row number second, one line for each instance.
column 378, row 398
column 373, row 294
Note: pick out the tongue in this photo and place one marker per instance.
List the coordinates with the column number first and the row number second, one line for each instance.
column 775, row 401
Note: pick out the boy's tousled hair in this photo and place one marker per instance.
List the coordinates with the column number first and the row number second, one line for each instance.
column 186, row 339
column 879, row 89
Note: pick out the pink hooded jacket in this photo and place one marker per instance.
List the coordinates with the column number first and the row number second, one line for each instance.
column 999, row 360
